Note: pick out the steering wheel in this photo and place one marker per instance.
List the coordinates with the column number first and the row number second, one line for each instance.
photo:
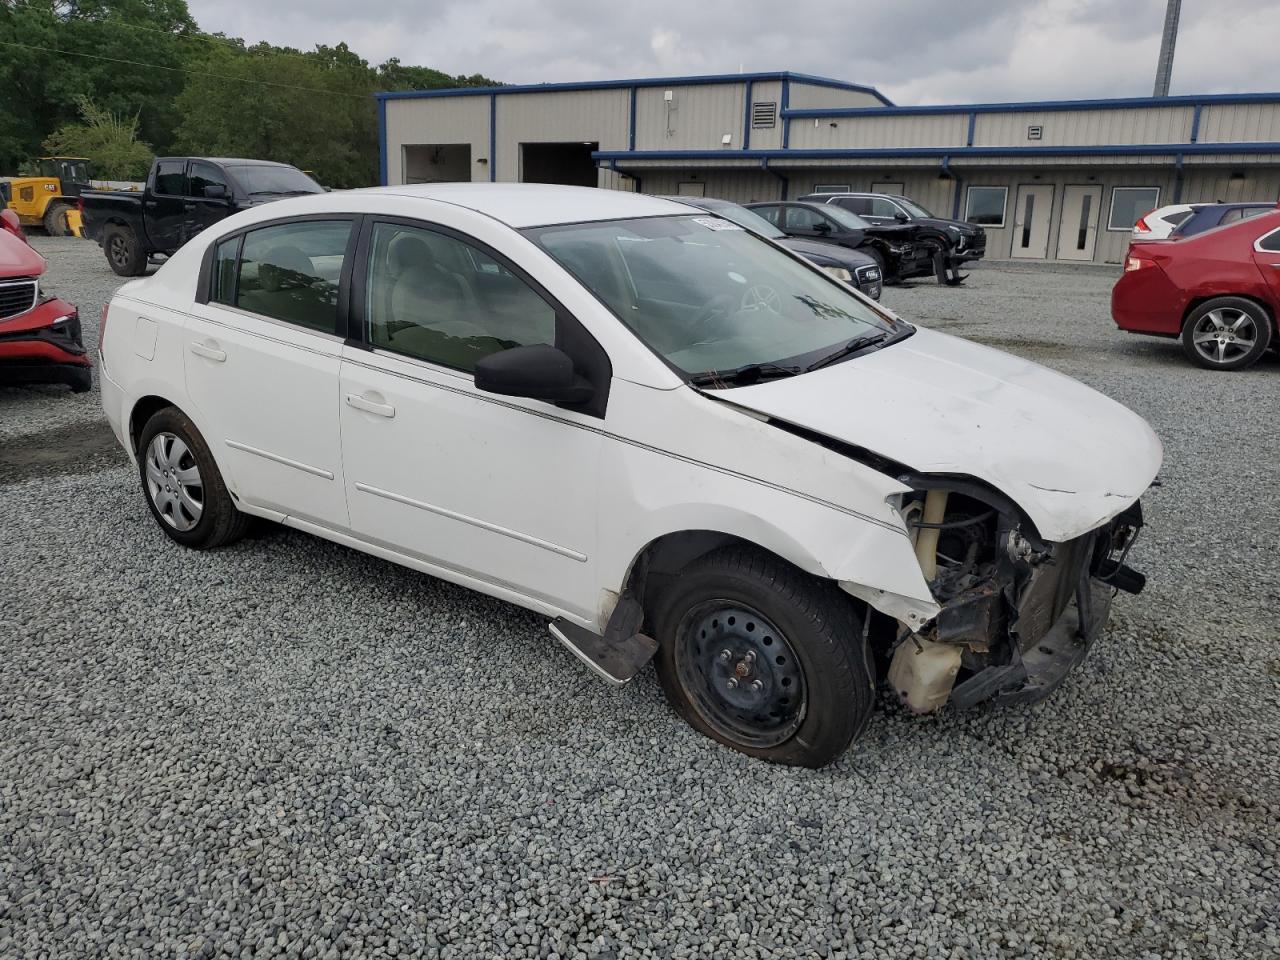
column 761, row 297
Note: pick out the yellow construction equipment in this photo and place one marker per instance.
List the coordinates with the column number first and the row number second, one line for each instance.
column 44, row 200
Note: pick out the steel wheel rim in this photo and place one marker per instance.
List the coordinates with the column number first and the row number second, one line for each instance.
column 173, row 481
column 755, row 696
column 1224, row 335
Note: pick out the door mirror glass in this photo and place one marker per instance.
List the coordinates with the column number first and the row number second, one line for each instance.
column 537, row 371
column 215, row 191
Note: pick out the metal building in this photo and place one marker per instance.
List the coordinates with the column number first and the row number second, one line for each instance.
column 1049, row 180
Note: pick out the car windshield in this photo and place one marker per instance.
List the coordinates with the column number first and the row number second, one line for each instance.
column 258, row 179
column 745, row 218
column 716, row 300
column 913, row 208
column 846, row 219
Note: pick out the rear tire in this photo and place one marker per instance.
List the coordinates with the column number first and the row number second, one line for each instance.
column 55, row 220
column 182, row 485
column 797, row 685
column 124, row 254
column 1226, row 333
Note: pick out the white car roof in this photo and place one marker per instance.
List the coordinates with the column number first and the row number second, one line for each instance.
column 537, row 204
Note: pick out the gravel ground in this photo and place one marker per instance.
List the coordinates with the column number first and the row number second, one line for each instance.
column 290, row 749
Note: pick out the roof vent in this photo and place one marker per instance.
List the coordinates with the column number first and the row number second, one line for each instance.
column 764, row 115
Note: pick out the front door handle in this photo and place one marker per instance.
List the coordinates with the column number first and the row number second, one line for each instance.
column 370, row 406
column 208, row 352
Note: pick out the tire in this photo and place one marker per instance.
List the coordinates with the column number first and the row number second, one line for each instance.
column 124, row 254
column 81, row 381
column 798, row 685
column 878, row 257
column 217, row 522
column 1226, row 333
column 55, row 220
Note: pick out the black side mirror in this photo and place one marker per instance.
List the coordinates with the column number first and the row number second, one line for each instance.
column 901, row 217
column 215, row 191
column 537, row 371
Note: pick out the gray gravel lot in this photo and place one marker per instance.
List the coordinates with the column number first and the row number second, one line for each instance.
column 290, row 749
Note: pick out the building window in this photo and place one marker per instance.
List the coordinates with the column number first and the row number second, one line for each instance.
column 830, row 188
column 763, row 115
column 985, row 205
column 1129, row 203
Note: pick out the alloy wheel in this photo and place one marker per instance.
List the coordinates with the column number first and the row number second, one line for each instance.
column 173, row 481
column 1224, row 335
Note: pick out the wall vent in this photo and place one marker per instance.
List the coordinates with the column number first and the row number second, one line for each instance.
column 764, row 115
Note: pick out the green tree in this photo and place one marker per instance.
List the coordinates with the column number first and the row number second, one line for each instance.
column 109, row 140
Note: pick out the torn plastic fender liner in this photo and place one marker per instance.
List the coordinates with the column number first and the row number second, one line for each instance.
column 913, row 612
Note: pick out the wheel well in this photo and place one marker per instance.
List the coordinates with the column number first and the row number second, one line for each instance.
column 1200, row 301
column 144, row 410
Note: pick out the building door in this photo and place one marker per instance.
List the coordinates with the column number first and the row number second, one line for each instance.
column 1031, row 213
column 895, row 188
column 567, row 163
column 1079, row 230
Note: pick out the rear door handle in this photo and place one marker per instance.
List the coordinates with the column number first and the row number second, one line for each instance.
column 208, row 352
column 370, row 406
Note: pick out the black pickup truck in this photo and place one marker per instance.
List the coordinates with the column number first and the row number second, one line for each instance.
column 183, row 195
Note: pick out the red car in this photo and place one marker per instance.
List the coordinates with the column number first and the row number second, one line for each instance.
column 39, row 335
column 1218, row 291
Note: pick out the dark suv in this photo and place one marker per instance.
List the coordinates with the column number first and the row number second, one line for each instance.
column 968, row 241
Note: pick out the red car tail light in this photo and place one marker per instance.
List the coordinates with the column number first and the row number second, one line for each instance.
column 1136, row 263
column 1141, row 225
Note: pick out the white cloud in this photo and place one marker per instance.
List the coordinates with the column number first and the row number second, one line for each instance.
column 915, row 51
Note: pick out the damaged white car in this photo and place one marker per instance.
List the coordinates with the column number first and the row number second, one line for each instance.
column 671, row 437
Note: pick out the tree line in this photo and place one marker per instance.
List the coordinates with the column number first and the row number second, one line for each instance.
column 120, row 81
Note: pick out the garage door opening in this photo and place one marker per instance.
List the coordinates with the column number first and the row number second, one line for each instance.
column 437, row 162
column 568, row 163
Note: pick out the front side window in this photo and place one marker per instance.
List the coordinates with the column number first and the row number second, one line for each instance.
column 291, row 272
column 171, row 177
column 985, row 205
column 1130, row 203
column 711, row 297
column 913, row 208
column 439, row 299
column 772, row 214
column 880, row 207
column 205, row 175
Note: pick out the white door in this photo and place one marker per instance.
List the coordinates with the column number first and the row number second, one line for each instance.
column 1079, row 230
column 496, row 489
column 262, row 359
column 1031, row 213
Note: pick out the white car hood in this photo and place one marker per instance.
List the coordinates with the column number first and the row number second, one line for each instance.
column 1069, row 456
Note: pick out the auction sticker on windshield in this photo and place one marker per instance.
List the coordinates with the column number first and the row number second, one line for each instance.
column 715, row 223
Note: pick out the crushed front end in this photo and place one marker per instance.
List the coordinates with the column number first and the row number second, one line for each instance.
column 40, row 338
column 1018, row 613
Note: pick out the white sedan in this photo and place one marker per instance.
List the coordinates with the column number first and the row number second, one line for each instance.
column 669, row 436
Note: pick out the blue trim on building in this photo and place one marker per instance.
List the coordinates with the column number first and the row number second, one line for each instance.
column 1195, row 122
column 746, row 115
column 1101, row 150
column 955, row 199
column 782, row 75
column 631, row 122
column 493, row 138
column 1036, row 106
column 786, row 123
column 382, row 143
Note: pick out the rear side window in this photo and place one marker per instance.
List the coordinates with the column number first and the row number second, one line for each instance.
column 772, row 214
column 288, row 272
column 171, row 177
column 859, row 205
column 1271, row 242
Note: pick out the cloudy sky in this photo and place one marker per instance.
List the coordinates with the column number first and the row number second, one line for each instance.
column 914, row 51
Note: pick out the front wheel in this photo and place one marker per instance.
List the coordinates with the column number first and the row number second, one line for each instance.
column 764, row 658
column 1226, row 333
column 55, row 220
column 183, row 486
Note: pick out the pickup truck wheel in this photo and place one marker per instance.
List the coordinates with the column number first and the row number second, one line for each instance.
column 1226, row 333
column 764, row 658
column 124, row 253
column 55, row 220
column 182, row 485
